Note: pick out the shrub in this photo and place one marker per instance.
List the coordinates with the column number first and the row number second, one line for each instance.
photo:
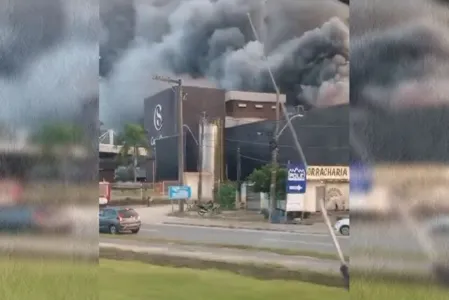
column 261, row 179
column 225, row 195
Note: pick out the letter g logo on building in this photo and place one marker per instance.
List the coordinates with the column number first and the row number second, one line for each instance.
column 157, row 118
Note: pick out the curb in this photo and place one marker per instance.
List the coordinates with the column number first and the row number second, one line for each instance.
column 243, row 227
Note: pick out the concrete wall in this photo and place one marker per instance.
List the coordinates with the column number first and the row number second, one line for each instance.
column 335, row 193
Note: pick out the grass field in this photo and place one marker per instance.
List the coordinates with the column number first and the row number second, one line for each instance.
column 44, row 280
column 139, row 282
column 119, row 280
column 375, row 290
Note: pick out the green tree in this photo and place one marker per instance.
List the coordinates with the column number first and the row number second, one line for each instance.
column 261, row 179
column 53, row 135
column 133, row 138
column 225, row 195
column 57, row 140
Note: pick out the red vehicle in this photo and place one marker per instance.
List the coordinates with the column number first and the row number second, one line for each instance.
column 10, row 192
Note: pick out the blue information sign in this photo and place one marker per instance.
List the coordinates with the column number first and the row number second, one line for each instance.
column 296, row 179
column 361, row 178
column 179, row 192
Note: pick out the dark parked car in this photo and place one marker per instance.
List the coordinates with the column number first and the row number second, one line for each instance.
column 116, row 220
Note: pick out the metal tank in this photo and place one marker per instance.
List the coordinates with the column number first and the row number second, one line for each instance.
column 211, row 150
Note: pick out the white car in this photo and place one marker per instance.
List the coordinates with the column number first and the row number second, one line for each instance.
column 342, row 226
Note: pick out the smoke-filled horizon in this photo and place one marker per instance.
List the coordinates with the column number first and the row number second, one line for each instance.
column 210, row 43
column 48, row 60
column 399, row 58
column 49, row 52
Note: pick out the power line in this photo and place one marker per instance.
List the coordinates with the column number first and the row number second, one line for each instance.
column 260, row 160
column 286, row 146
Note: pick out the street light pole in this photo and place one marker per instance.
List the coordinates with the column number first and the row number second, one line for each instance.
column 180, row 97
column 200, row 157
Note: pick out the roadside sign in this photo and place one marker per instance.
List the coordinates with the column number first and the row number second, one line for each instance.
column 361, row 178
column 296, row 179
column 179, row 192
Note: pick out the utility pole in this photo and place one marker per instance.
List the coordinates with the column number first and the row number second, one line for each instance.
column 200, row 157
column 274, row 141
column 239, row 173
column 181, row 147
column 274, row 159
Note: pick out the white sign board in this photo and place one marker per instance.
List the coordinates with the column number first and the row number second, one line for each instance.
column 295, row 202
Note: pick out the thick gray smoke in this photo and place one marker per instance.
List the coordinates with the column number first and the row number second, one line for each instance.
column 306, row 44
column 26, row 30
column 399, row 58
column 48, row 59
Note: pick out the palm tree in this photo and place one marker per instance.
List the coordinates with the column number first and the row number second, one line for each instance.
column 132, row 139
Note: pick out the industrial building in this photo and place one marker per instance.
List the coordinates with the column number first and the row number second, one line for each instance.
column 324, row 138
column 248, row 122
column 220, row 108
column 323, row 134
column 161, row 123
column 245, row 121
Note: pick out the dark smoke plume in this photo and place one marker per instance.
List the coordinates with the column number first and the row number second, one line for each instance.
column 399, row 73
column 48, row 59
column 399, row 58
column 306, row 43
column 27, row 28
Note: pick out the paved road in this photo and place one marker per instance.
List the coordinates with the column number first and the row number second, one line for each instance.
column 392, row 236
column 387, row 236
column 226, row 255
column 255, row 238
column 87, row 222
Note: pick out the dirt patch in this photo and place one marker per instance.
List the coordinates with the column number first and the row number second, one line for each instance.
column 36, row 254
column 266, row 272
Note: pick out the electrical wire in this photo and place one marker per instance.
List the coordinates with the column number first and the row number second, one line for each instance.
column 287, row 146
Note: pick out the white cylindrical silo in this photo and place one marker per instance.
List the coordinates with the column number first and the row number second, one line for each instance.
column 209, row 148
